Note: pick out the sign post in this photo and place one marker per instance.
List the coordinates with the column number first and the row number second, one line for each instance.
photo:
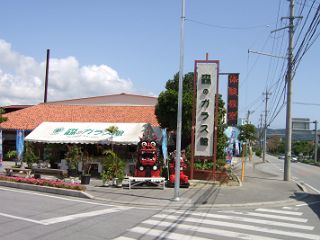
column 205, row 111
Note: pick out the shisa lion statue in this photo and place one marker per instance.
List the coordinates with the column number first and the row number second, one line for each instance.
column 148, row 164
column 184, row 179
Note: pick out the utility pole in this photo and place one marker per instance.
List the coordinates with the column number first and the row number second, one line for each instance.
column 248, row 115
column 179, row 115
column 287, row 161
column 260, row 131
column 265, row 126
column 315, row 141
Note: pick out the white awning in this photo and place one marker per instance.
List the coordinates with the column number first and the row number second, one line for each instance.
column 87, row 133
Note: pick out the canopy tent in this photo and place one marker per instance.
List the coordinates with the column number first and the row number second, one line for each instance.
column 87, row 133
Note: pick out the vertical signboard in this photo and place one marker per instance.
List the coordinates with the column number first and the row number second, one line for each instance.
column 233, row 93
column 207, row 78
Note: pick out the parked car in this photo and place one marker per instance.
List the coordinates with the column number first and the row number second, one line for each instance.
column 281, row 156
column 294, row 158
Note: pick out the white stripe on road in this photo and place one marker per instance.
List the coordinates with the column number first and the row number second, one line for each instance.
column 21, row 218
column 243, row 219
column 219, row 232
column 159, row 234
column 263, row 215
column 290, row 208
column 55, row 197
column 307, row 204
column 50, row 221
column 124, row 238
column 239, row 226
column 314, row 189
column 279, row 211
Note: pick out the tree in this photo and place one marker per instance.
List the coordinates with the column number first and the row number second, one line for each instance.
column 167, row 108
column 2, row 118
column 248, row 133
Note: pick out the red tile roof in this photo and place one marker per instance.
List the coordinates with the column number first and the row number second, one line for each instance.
column 31, row 117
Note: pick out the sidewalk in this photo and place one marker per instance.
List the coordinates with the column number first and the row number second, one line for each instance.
column 258, row 188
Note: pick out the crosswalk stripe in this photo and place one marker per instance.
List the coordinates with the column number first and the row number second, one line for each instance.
column 50, row 221
column 241, row 226
column 245, row 219
column 290, row 208
column 212, row 231
column 279, row 211
column 124, row 238
column 165, row 234
column 271, row 216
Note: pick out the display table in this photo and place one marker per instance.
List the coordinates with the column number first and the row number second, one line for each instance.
column 147, row 182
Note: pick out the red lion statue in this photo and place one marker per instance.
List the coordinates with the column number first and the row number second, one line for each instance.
column 184, row 179
column 148, row 164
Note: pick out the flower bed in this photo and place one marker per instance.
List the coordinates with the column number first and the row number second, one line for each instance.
column 44, row 182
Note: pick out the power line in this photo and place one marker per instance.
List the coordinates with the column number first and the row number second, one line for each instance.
column 226, row 27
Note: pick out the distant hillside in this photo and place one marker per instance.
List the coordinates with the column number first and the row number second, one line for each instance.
column 300, row 135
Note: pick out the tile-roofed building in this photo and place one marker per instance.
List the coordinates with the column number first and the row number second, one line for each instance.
column 121, row 107
column 122, row 99
column 30, row 118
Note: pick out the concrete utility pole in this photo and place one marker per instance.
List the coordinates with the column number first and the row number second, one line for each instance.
column 260, row 131
column 46, row 78
column 315, row 141
column 179, row 117
column 265, row 126
column 248, row 115
column 287, row 161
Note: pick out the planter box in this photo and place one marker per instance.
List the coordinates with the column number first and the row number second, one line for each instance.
column 221, row 176
column 85, row 179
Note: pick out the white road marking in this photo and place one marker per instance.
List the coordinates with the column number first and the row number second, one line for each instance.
column 279, row 211
column 242, row 219
column 71, row 217
column 21, row 218
column 290, row 208
column 164, row 234
column 55, row 197
column 50, row 221
column 307, row 204
column 219, row 232
column 124, row 238
column 235, row 225
column 313, row 188
column 271, row 216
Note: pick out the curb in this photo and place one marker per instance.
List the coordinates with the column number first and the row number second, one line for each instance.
column 45, row 189
column 187, row 203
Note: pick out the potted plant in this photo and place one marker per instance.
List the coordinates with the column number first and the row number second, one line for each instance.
column 106, row 177
column 113, row 165
column 29, row 156
column 86, row 167
column 73, row 156
column 11, row 155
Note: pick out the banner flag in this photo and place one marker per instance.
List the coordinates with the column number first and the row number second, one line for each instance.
column 20, row 144
column 164, row 146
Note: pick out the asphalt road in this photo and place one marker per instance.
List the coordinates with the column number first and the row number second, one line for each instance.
column 307, row 174
column 28, row 215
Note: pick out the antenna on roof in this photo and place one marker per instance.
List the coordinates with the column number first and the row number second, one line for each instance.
column 46, row 79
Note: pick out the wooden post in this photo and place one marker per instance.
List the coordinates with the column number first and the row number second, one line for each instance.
column 244, row 149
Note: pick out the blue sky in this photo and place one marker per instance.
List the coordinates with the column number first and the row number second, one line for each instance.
column 101, row 47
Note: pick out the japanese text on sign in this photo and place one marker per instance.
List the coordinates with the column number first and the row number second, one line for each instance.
column 233, row 95
column 207, row 75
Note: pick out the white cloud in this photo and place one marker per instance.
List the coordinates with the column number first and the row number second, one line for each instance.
column 22, row 79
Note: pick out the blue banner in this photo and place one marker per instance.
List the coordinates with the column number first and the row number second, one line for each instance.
column 20, row 144
column 164, row 146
